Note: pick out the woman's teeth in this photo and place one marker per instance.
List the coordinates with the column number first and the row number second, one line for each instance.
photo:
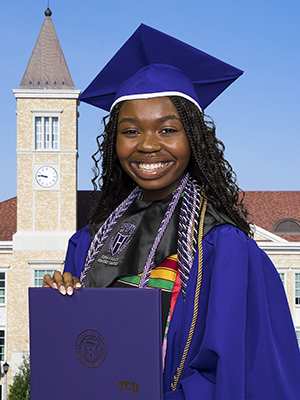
column 152, row 167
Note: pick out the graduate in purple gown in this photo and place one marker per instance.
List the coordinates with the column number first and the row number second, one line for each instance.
column 171, row 216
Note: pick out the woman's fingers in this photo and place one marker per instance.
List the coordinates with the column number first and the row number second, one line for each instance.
column 60, row 282
column 76, row 283
column 65, row 283
column 48, row 281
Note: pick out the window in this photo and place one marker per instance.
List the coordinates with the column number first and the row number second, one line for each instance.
column 39, row 274
column 46, row 130
column 287, row 226
column 282, row 277
column 38, row 133
column 55, row 133
column 46, row 133
column 298, row 337
column 39, row 268
column 2, row 345
column 2, row 287
column 297, row 288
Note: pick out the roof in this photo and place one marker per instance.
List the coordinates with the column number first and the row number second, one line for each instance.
column 8, row 213
column 47, row 67
column 268, row 207
column 265, row 208
column 8, row 219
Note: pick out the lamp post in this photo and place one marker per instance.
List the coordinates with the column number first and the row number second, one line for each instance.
column 5, row 370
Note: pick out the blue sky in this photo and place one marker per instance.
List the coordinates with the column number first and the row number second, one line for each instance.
column 256, row 118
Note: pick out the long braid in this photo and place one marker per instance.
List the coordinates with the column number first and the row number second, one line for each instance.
column 208, row 165
column 114, row 183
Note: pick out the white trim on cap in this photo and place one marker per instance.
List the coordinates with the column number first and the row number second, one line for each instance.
column 152, row 95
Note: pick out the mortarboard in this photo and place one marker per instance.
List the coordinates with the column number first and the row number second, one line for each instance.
column 153, row 64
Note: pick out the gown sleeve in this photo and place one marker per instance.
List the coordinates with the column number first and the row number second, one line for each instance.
column 244, row 345
column 78, row 247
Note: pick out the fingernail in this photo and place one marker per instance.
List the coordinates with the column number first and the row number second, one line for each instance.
column 78, row 284
column 54, row 285
column 70, row 290
column 62, row 290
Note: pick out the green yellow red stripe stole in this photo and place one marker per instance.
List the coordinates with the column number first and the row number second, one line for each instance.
column 162, row 277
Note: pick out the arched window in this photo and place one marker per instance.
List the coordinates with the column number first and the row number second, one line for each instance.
column 287, row 226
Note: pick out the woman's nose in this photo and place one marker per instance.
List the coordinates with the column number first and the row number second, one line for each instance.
column 149, row 142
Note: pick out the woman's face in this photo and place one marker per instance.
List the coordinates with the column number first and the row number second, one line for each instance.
column 152, row 145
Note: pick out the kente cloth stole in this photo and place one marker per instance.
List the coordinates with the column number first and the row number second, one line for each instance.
column 162, row 277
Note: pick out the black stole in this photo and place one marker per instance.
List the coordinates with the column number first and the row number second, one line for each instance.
column 126, row 250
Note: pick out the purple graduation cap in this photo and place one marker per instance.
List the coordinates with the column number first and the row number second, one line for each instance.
column 153, row 64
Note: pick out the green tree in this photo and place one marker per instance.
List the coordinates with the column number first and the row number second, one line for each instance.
column 20, row 388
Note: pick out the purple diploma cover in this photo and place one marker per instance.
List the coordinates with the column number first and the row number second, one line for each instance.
column 97, row 344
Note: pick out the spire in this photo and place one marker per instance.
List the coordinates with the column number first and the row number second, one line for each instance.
column 48, row 12
column 47, row 67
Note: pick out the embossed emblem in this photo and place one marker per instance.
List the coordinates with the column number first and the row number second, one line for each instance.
column 90, row 348
column 121, row 239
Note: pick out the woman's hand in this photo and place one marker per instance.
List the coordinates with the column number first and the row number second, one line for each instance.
column 65, row 283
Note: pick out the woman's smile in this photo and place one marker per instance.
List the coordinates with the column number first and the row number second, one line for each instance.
column 152, row 167
column 152, row 145
column 152, row 170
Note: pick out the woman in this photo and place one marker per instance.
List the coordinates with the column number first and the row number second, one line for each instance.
column 170, row 216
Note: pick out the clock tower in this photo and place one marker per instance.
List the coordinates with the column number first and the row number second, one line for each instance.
column 46, row 175
column 46, row 147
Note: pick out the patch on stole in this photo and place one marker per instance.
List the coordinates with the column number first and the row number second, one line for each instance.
column 90, row 348
column 121, row 239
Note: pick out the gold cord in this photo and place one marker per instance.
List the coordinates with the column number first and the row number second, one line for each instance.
column 203, row 204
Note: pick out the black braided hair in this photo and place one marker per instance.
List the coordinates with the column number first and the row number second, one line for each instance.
column 111, row 179
column 207, row 165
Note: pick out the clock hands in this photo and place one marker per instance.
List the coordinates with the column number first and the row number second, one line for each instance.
column 46, row 176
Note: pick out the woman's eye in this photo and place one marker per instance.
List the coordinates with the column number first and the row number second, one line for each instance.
column 168, row 130
column 130, row 132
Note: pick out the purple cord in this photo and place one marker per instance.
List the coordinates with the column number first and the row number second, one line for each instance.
column 164, row 223
column 105, row 230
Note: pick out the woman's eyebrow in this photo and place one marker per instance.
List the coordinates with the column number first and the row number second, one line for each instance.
column 167, row 117
column 160, row 120
column 133, row 120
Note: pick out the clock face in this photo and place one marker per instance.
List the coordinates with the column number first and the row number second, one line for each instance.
column 46, row 176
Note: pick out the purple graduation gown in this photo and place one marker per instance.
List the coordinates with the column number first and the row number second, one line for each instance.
column 244, row 345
